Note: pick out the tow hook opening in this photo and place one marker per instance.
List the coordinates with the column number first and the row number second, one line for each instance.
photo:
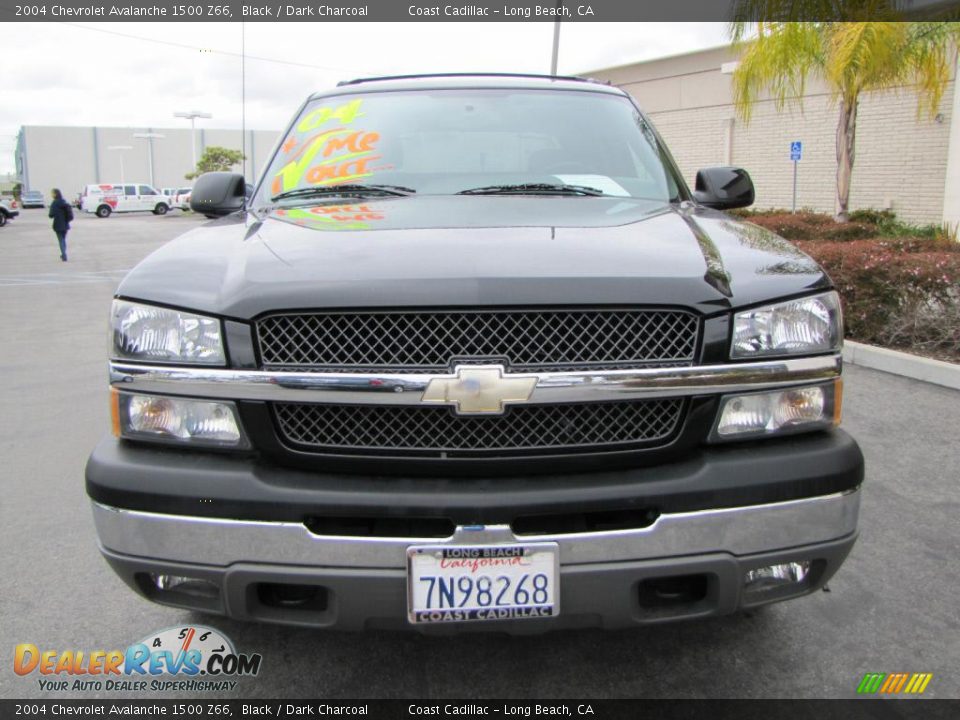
column 287, row 596
column 673, row 592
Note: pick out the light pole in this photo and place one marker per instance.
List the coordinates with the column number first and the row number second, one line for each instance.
column 192, row 116
column 149, row 137
column 555, row 57
column 120, row 149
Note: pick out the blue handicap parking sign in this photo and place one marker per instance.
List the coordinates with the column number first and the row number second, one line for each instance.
column 796, row 150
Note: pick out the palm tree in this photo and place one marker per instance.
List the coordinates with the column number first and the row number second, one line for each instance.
column 851, row 57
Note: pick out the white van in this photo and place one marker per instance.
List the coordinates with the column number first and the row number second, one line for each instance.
column 107, row 198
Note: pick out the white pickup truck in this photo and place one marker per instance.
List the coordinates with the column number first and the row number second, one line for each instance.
column 8, row 209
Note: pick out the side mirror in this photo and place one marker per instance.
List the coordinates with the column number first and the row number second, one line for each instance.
column 218, row 193
column 724, row 188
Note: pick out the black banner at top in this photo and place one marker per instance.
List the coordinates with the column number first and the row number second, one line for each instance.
column 465, row 10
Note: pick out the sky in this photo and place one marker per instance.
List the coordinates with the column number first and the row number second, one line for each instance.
column 138, row 74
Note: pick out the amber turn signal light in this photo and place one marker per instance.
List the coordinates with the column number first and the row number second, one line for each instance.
column 115, row 412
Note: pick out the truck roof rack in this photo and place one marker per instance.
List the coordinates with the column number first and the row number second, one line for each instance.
column 358, row 81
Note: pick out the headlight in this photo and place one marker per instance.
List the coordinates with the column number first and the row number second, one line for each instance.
column 800, row 409
column 179, row 420
column 795, row 327
column 156, row 334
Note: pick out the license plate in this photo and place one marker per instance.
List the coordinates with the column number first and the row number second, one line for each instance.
column 454, row 583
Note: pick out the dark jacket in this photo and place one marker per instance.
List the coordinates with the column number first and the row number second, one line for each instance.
column 62, row 214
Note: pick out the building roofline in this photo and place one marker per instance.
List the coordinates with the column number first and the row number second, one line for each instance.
column 648, row 61
column 31, row 126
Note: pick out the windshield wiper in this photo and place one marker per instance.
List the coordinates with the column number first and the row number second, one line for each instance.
column 346, row 189
column 533, row 189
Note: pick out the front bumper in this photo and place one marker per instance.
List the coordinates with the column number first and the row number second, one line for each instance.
column 607, row 579
column 172, row 481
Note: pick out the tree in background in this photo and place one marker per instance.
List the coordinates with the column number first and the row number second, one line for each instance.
column 850, row 57
column 216, row 159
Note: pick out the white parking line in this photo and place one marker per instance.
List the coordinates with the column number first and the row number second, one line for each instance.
column 73, row 278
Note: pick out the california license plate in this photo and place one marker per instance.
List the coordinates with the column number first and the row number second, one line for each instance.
column 453, row 583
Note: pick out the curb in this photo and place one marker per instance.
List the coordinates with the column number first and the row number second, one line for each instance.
column 901, row 363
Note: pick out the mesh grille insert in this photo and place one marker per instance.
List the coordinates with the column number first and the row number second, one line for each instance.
column 430, row 341
column 434, row 430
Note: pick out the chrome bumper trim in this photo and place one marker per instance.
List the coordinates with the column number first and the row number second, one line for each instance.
column 739, row 531
column 408, row 389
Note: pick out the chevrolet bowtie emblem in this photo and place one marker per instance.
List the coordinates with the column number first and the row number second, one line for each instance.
column 479, row 389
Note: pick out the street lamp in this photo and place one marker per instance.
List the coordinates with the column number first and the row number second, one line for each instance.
column 192, row 116
column 120, row 149
column 555, row 57
column 149, row 137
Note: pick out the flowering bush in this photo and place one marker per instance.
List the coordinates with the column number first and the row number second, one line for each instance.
column 805, row 225
column 899, row 289
column 895, row 294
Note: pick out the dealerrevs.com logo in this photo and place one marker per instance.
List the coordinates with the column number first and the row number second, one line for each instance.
column 192, row 658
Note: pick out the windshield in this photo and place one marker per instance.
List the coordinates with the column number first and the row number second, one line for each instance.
column 443, row 142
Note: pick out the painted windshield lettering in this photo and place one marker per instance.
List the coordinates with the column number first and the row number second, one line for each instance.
column 330, row 157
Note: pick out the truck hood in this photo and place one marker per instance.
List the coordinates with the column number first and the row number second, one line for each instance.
column 450, row 251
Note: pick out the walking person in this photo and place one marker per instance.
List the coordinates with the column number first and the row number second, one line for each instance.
column 62, row 215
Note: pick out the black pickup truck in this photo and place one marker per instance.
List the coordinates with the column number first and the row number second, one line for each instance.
column 474, row 355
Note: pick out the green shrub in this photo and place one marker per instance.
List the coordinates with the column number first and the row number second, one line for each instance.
column 874, row 217
column 809, row 225
column 813, row 226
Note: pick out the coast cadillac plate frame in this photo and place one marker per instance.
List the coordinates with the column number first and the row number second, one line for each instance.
column 476, row 583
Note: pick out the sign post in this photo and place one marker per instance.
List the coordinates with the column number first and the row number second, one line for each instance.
column 796, row 152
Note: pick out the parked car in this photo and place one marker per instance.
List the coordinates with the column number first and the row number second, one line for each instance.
column 106, row 198
column 32, row 199
column 8, row 209
column 474, row 354
column 181, row 198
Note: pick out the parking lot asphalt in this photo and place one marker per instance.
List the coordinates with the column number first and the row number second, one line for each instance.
column 891, row 608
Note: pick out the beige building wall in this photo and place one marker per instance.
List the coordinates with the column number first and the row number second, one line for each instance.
column 258, row 148
column 55, row 155
column 951, row 193
column 71, row 157
column 901, row 162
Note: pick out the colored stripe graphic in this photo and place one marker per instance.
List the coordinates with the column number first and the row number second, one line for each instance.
column 920, row 682
column 871, row 683
column 894, row 683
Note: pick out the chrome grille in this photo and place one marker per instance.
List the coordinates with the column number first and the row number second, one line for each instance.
column 416, row 430
column 531, row 340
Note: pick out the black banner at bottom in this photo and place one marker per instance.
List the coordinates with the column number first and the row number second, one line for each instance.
column 511, row 709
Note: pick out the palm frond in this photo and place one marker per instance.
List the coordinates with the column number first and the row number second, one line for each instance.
column 928, row 54
column 778, row 61
column 747, row 12
column 865, row 56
